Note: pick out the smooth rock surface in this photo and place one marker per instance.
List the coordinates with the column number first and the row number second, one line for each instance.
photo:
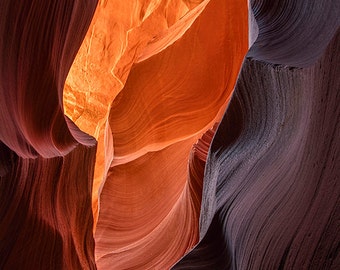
column 271, row 187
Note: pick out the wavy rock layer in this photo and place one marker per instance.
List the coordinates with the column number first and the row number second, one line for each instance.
column 271, row 188
column 34, row 66
column 46, row 162
column 45, row 211
column 149, row 205
column 293, row 33
column 121, row 33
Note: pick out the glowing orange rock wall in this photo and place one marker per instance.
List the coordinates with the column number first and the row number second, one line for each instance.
column 146, row 203
column 121, row 33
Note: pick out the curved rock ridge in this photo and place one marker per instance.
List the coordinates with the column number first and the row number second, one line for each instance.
column 271, row 189
column 197, row 160
column 34, row 67
column 294, row 33
column 45, row 211
column 137, row 227
column 120, row 34
column 46, row 162
column 149, row 206
column 117, row 35
column 161, row 103
column 147, row 218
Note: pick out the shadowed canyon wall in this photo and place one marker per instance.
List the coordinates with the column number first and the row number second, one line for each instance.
column 271, row 185
column 169, row 134
column 46, row 162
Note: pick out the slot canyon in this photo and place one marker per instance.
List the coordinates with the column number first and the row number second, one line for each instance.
column 170, row 134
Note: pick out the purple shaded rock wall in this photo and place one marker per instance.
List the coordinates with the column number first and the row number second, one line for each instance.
column 271, row 185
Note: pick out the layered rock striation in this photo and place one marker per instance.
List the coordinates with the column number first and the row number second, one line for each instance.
column 271, row 185
column 169, row 134
column 46, row 162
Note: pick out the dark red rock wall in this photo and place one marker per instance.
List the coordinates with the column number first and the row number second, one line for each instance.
column 39, row 40
column 46, row 162
column 45, row 211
